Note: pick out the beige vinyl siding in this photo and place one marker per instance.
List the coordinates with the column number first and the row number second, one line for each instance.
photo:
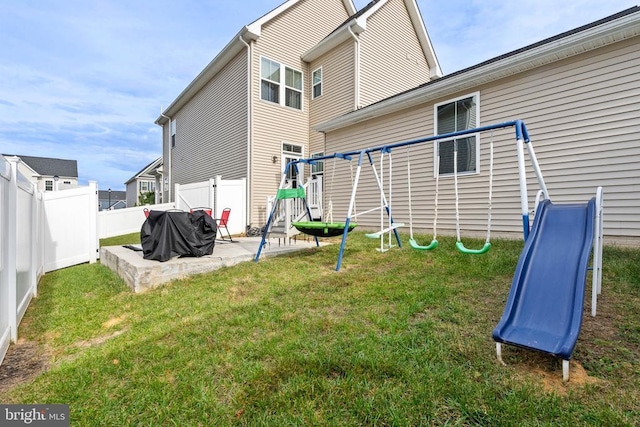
column 284, row 40
column 338, row 89
column 211, row 129
column 583, row 116
column 391, row 59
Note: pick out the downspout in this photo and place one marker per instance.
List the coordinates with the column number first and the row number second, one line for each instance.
column 166, row 167
column 357, row 70
column 249, row 154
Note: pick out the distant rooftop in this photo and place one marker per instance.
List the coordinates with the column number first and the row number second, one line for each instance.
column 49, row 166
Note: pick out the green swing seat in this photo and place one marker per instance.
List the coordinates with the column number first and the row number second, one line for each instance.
column 323, row 229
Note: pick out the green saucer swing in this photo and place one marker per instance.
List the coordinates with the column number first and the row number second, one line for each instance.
column 322, row 229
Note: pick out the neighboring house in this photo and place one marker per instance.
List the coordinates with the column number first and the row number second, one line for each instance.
column 579, row 96
column 307, row 61
column 148, row 179
column 48, row 174
column 111, row 199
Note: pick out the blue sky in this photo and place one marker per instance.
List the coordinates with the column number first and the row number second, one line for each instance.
column 85, row 79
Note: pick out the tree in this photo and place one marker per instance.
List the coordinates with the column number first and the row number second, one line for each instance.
column 147, row 198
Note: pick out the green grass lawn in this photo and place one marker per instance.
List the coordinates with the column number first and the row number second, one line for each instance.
column 400, row 339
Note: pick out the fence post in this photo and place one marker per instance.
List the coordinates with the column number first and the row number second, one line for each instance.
column 12, row 248
column 176, row 196
column 35, row 231
column 214, row 196
column 94, row 246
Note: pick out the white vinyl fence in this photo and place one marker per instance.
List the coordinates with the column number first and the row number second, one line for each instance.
column 124, row 221
column 70, row 222
column 217, row 194
column 46, row 231
column 21, row 248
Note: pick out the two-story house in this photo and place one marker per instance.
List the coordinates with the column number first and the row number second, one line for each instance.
column 317, row 76
column 252, row 108
column 146, row 180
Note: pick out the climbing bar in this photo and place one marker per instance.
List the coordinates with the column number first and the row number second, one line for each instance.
column 377, row 234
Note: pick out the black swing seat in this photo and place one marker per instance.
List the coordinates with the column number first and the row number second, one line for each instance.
column 322, row 229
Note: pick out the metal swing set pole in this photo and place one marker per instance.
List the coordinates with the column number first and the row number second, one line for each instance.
column 293, row 163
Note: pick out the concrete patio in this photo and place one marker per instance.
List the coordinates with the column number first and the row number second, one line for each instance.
column 141, row 274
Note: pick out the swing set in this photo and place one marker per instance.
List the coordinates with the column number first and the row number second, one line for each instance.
column 389, row 228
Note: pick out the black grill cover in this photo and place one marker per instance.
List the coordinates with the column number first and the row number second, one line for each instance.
column 166, row 234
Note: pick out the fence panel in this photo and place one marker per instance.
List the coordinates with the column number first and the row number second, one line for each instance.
column 125, row 221
column 232, row 194
column 25, row 229
column 70, row 231
column 196, row 195
column 5, row 294
column 20, row 253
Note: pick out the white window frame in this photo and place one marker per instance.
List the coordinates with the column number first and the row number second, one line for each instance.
column 48, row 185
column 278, row 83
column 282, row 86
column 293, row 154
column 173, row 133
column 314, row 83
column 476, row 99
column 314, row 167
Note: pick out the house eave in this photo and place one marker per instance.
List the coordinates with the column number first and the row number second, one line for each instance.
column 229, row 52
column 425, row 42
column 334, row 40
column 248, row 33
column 574, row 44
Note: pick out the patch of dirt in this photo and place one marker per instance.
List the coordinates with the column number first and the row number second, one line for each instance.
column 98, row 340
column 114, row 321
column 24, row 361
column 552, row 380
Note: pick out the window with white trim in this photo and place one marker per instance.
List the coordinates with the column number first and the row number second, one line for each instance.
column 173, row 133
column 146, row 186
column 317, row 168
column 48, row 185
column 270, row 80
column 316, row 81
column 454, row 116
column 292, row 152
column 284, row 88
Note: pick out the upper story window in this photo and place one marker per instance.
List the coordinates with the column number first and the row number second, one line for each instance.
column 317, row 83
column 173, row 133
column 270, row 80
column 274, row 89
column 453, row 116
column 293, row 88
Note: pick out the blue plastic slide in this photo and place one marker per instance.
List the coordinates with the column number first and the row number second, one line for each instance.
column 546, row 300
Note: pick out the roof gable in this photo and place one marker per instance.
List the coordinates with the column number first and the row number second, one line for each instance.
column 357, row 24
column 256, row 26
column 146, row 171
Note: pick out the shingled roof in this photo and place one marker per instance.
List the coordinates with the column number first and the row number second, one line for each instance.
column 51, row 167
